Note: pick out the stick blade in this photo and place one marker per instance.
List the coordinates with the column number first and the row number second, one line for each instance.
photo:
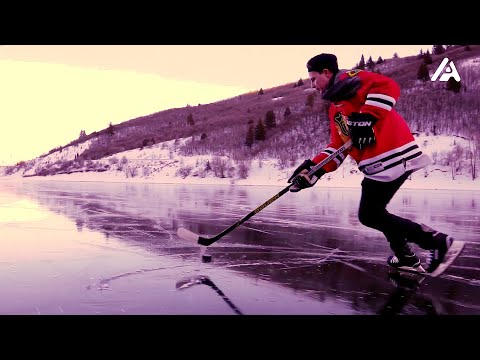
column 188, row 235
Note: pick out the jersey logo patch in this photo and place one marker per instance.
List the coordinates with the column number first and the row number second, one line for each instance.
column 341, row 123
column 353, row 73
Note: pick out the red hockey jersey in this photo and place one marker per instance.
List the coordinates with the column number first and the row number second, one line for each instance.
column 395, row 150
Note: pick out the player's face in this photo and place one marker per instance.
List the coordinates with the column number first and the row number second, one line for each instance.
column 319, row 80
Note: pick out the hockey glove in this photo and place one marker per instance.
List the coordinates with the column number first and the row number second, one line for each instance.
column 360, row 127
column 301, row 180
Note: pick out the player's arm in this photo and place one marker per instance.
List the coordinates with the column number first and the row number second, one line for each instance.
column 337, row 139
column 381, row 94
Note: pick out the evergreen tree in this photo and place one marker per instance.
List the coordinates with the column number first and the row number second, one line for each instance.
column 110, row 130
column 453, row 85
column 422, row 73
column 260, row 133
column 361, row 64
column 249, row 137
column 380, row 60
column 438, row 50
column 287, row 112
column 370, row 64
column 428, row 58
column 190, row 120
column 270, row 121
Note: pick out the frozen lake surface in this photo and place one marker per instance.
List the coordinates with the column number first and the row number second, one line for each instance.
column 112, row 248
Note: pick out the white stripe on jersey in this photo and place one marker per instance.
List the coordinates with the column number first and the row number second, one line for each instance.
column 383, row 96
column 378, row 104
column 388, row 153
column 380, row 100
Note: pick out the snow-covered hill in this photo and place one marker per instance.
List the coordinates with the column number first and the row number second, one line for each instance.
column 161, row 163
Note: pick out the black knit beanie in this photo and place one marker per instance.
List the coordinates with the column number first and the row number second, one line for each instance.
column 323, row 61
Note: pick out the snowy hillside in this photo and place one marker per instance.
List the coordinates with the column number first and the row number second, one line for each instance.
column 54, row 160
column 161, row 163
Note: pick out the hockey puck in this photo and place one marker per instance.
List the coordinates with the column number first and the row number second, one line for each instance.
column 206, row 257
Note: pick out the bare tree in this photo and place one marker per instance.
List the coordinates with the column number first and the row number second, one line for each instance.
column 473, row 144
column 219, row 166
column 454, row 160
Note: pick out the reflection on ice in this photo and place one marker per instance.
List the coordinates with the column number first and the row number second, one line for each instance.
column 20, row 211
column 304, row 254
column 203, row 279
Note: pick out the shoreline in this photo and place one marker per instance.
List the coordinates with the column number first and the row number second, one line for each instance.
column 352, row 182
column 161, row 164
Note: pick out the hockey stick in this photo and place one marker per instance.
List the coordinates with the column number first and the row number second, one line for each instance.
column 191, row 236
column 205, row 280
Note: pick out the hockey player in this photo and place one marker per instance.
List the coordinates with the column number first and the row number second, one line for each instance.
column 362, row 109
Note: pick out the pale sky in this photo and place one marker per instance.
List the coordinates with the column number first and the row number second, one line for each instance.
column 50, row 92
